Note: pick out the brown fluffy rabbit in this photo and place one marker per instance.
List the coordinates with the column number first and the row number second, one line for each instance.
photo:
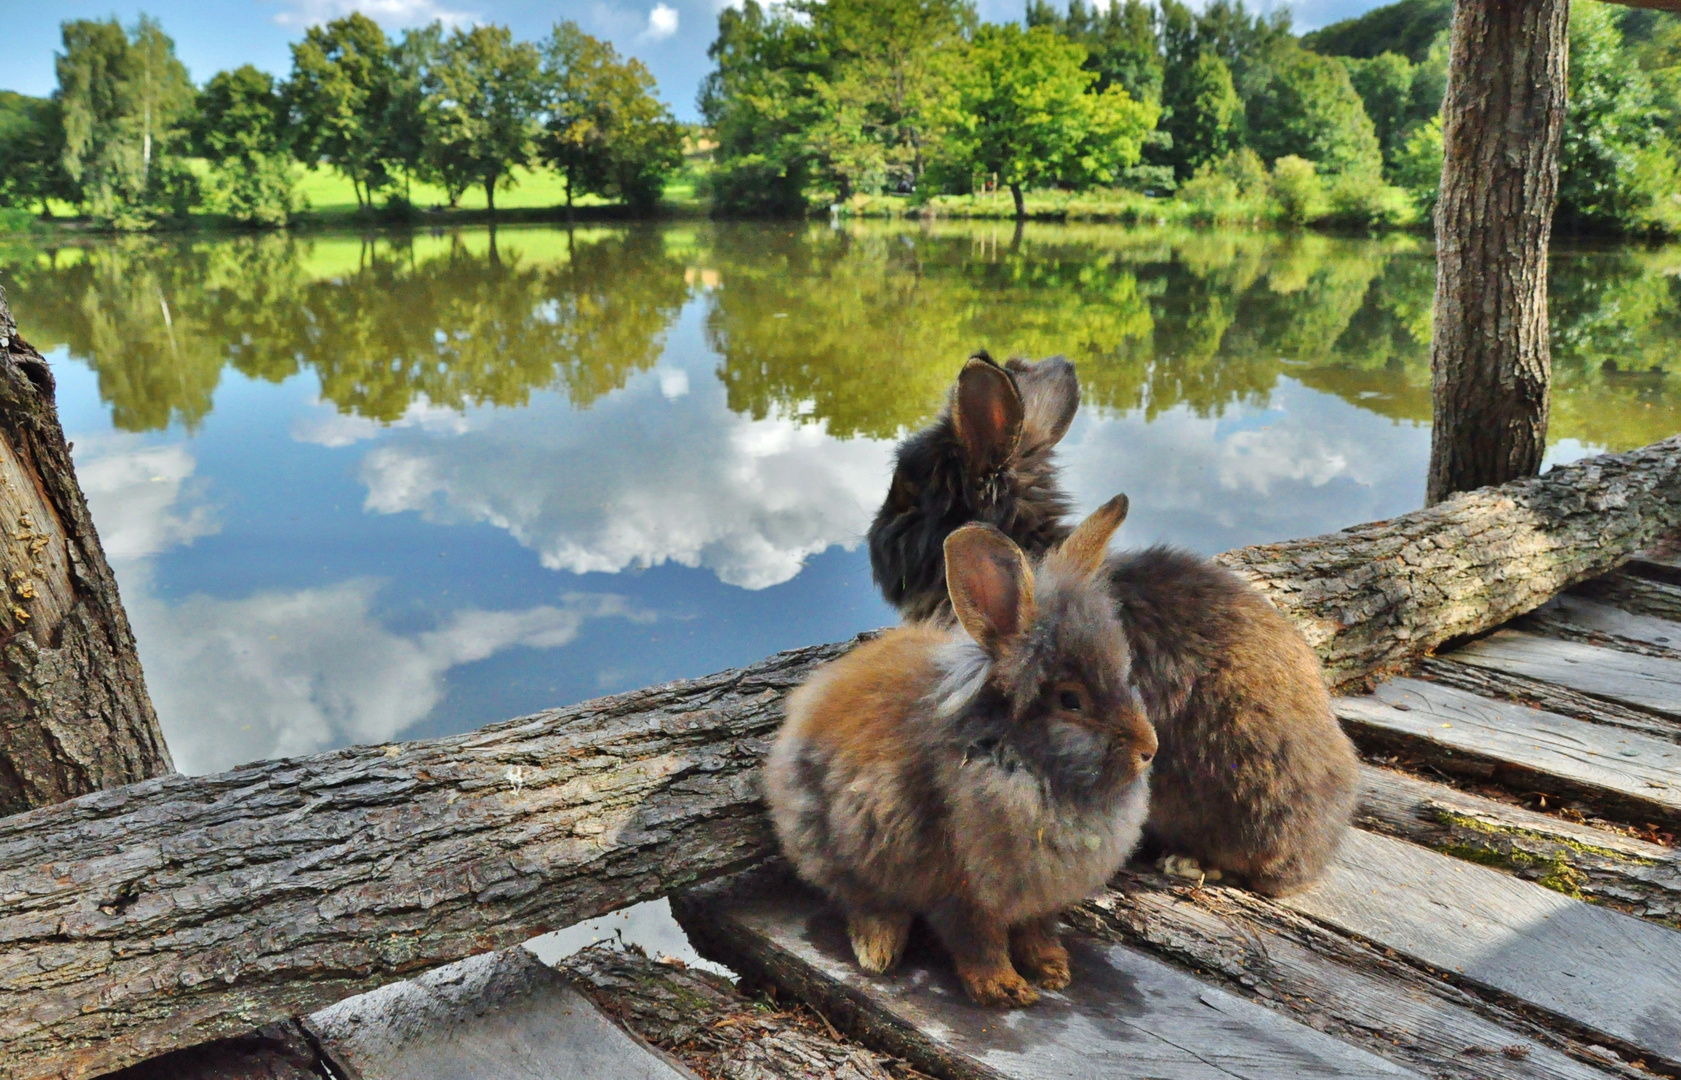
column 984, row 778
column 1255, row 777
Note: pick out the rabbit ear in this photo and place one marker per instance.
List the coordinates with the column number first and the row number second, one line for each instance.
column 991, row 586
column 1050, row 396
column 1086, row 546
column 987, row 411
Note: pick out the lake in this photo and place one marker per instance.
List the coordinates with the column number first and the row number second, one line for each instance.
column 369, row 488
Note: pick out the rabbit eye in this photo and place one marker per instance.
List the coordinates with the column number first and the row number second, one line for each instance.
column 1069, row 700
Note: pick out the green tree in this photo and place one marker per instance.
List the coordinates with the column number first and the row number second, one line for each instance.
column 1025, row 113
column 885, row 85
column 32, row 152
column 1385, row 86
column 1407, row 27
column 339, row 92
column 487, row 96
column 1120, row 41
column 1204, row 113
column 759, row 102
column 605, row 131
column 1309, row 108
column 124, row 97
column 407, row 126
column 241, row 127
column 1617, row 168
column 1418, row 164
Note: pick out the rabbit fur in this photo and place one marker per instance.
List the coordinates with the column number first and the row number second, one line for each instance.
column 1255, row 777
column 984, row 776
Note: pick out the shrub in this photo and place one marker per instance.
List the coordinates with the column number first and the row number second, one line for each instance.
column 1363, row 200
column 1298, row 194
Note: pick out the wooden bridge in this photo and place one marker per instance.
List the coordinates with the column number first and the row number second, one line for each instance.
column 1507, row 907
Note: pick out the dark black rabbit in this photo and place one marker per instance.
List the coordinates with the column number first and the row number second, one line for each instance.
column 987, row 458
column 1254, row 776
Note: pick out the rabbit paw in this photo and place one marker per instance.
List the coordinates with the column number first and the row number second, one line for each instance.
column 998, row 986
column 1047, row 966
column 878, row 940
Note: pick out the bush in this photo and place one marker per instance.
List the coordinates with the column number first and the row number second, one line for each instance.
column 1418, row 165
column 755, row 186
column 15, row 219
column 255, row 190
column 1298, row 194
column 1363, row 200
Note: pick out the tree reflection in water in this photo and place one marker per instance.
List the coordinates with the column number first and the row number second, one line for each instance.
column 860, row 327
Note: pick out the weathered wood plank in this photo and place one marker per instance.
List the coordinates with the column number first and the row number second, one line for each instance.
column 1576, row 618
column 186, row 909
column 1124, row 1014
column 1545, row 696
column 710, row 1025
column 1646, row 682
column 1635, row 593
column 501, row 1016
column 1333, row 983
column 1371, row 598
column 1612, row 978
column 1633, row 875
column 1623, row 772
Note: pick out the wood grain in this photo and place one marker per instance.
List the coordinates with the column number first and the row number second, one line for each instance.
column 1623, row 771
column 1605, row 975
column 1331, row 982
column 1632, row 875
column 1645, row 682
column 1124, row 1014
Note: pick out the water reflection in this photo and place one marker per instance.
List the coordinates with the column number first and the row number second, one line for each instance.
column 359, row 488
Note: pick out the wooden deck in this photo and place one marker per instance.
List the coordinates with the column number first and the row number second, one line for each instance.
column 1507, row 906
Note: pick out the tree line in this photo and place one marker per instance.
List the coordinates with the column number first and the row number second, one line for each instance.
column 461, row 109
column 813, row 100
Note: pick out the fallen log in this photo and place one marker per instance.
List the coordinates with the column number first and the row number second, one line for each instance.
column 184, row 909
column 1372, row 598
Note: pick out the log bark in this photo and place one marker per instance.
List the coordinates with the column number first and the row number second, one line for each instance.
column 186, row 909
column 74, row 713
column 1489, row 358
column 1372, row 598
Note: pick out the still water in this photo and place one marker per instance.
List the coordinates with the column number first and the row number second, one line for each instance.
column 364, row 488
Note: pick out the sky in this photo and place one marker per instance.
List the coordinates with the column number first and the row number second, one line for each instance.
column 670, row 36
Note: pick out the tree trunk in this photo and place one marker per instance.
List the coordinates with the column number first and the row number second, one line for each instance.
column 1489, row 359
column 74, row 713
column 1021, row 203
column 191, row 908
column 490, row 194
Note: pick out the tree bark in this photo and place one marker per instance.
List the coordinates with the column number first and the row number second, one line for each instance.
column 1372, row 598
column 74, row 713
column 1021, row 202
column 186, row 909
column 1489, row 359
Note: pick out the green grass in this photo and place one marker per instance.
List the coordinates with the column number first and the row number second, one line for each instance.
column 329, row 192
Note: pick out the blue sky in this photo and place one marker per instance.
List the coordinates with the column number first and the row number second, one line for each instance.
column 670, row 36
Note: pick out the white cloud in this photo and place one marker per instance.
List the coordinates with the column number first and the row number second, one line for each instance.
column 141, row 496
column 1303, row 464
column 282, row 673
column 391, row 14
column 329, row 427
column 662, row 23
column 645, row 476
